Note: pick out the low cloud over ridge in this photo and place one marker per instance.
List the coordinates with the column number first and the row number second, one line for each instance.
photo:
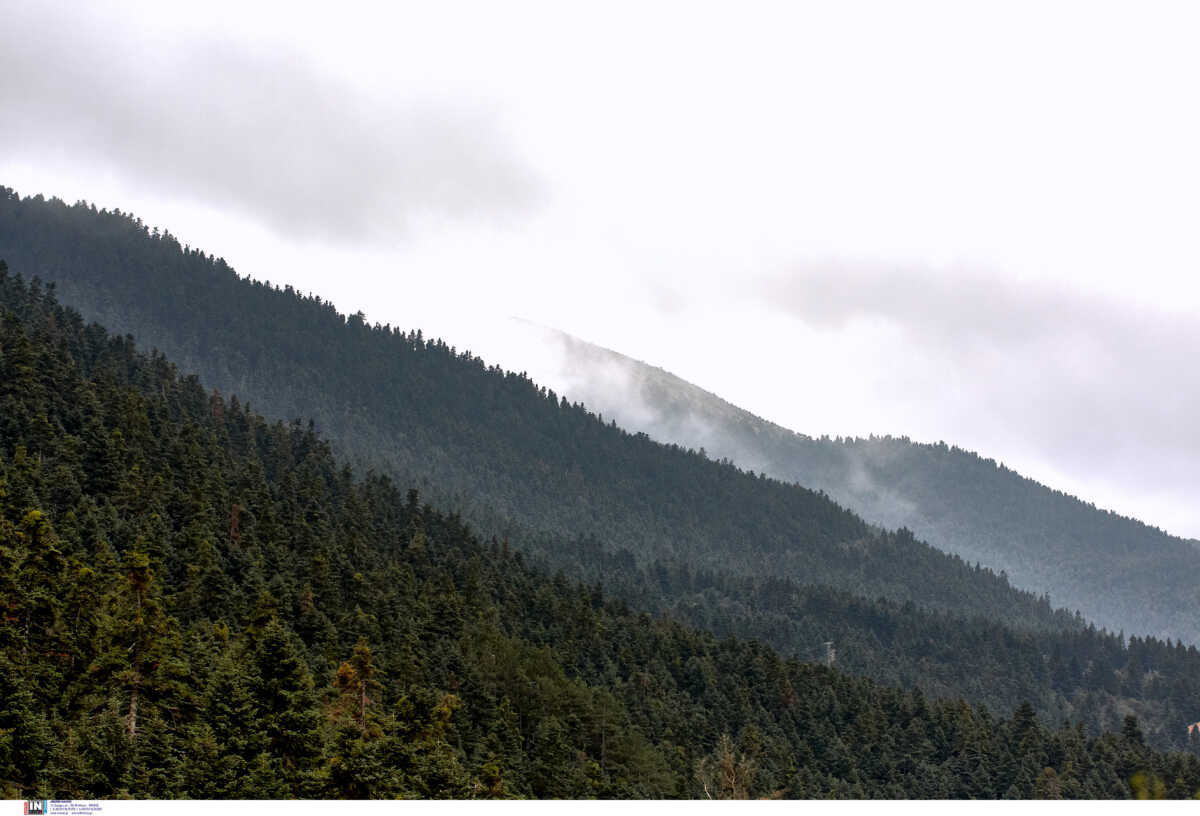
column 1093, row 385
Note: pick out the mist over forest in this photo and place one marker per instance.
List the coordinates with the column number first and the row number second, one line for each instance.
column 300, row 497
column 1119, row 572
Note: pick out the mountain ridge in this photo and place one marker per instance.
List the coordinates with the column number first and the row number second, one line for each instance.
column 501, row 446
column 874, row 477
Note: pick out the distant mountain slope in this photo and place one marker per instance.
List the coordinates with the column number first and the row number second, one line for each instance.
column 1117, row 571
column 499, row 447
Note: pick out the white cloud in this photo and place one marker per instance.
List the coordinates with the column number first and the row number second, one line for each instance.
column 635, row 174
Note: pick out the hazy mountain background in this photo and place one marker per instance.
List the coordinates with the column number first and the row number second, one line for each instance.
column 1119, row 572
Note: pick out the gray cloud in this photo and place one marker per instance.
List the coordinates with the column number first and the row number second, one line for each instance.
column 262, row 133
column 941, row 306
column 1094, row 386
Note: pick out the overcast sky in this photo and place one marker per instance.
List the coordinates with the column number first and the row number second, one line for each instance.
column 961, row 222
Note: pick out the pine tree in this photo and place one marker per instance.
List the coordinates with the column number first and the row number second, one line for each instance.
column 33, row 655
column 281, row 686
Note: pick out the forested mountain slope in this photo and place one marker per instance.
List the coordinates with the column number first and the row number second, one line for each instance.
column 1117, row 571
column 545, row 463
column 200, row 603
column 487, row 441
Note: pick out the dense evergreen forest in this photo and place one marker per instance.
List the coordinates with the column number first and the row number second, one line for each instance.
column 1084, row 676
column 755, row 558
column 199, row 602
column 1117, row 571
column 477, row 438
